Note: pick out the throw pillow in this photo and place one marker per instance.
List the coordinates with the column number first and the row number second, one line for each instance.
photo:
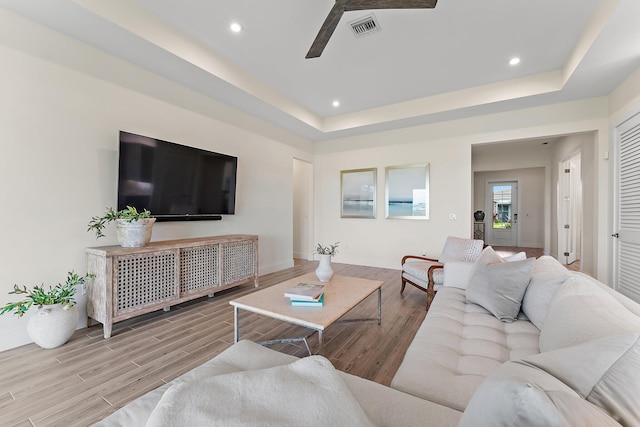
column 500, row 287
column 457, row 273
column 309, row 391
column 606, row 372
column 540, row 292
column 519, row 393
column 520, row 256
column 459, row 249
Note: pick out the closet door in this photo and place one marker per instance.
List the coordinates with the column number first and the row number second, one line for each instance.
column 627, row 208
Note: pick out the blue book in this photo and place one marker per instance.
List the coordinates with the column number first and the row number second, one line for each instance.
column 319, row 303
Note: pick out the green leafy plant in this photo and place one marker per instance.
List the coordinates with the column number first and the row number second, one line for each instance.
column 130, row 214
column 60, row 294
column 327, row 250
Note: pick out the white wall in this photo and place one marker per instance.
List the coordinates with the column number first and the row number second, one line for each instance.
column 58, row 167
column 382, row 242
column 447, row 147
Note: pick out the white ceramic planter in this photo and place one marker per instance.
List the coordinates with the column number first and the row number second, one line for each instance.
column 134, row 234
column 52, row 325
column 324, row 272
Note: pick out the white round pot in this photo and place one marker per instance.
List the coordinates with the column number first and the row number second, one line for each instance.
column 324, row 272
column 50, row 326
column 134, row 234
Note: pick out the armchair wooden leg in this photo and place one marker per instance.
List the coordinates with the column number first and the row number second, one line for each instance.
column 404, row 283
column 430, row 296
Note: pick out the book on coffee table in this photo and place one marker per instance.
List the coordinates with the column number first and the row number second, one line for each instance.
column 305, row 292
column 319, row 303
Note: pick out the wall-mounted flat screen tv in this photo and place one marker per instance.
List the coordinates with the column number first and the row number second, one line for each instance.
column 173, row 181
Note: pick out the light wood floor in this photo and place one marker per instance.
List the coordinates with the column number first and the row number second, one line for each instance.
column 90, row 377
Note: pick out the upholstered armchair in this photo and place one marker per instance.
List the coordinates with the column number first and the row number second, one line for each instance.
column 427, row 274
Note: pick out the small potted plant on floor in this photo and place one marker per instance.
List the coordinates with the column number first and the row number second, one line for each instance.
column 324, row 270
column 55, row 317
column 133, row 228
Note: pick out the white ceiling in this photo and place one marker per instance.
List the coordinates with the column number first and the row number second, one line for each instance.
column 425, row 65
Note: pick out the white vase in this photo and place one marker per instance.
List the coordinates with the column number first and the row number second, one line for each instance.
column 51, row 326
column 324, row 270
column 134, row 234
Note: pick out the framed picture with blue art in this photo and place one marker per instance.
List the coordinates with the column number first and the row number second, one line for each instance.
column 358, row 192
column 407, row 191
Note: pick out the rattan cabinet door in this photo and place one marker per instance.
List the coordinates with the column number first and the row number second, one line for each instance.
column 145, row 280
column 199, row 270
column 238, row 261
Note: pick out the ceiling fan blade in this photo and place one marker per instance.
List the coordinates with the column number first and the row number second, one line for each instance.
column 390, row 4
column 327, row 29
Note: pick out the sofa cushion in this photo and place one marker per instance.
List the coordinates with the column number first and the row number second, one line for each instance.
column 459, row 249
column 499, row 286
column 547, row 277
column 580, row 311
column 520, row 394
column 456, row 347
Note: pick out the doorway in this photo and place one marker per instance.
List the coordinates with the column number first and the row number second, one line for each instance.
column 302, row 209
column 570, row 209
column 502, row 203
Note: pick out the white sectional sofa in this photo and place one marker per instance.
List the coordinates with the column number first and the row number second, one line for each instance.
column 570, row 355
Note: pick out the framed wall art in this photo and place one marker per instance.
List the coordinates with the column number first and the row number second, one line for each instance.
column 407, row 191
column 358, row 192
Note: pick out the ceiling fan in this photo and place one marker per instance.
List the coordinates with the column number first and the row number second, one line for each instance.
column 343, row 6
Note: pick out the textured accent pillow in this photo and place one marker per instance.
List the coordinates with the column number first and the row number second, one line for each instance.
column 499, row 287
column 459, row 249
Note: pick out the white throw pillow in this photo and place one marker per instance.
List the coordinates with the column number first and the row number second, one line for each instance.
column 520, row 256
column 499, row 286
column 457, row 273
column 309, row 391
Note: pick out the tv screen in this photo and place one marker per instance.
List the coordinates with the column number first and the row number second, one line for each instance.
column 173, row 181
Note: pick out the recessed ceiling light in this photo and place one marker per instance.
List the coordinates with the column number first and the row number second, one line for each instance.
column 235, row 27
column 514, row 61
column 335, row 103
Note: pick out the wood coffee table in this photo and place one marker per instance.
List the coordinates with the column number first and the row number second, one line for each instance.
column 341, row 294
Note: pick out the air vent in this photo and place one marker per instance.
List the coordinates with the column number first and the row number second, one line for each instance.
column 365, row 26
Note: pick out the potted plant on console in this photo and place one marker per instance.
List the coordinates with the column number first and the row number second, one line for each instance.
column 324, row 270
column 133, row 228
column 56, row 316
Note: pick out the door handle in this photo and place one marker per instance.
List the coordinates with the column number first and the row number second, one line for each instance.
column 616, row 235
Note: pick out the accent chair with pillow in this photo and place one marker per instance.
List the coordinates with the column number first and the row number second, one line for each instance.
column 427, row 274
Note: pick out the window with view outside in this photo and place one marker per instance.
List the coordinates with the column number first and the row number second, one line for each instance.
column 502, row 206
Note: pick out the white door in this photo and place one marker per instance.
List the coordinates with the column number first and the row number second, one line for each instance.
column 569, row 209
column 501, row 227
column 627, row 209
